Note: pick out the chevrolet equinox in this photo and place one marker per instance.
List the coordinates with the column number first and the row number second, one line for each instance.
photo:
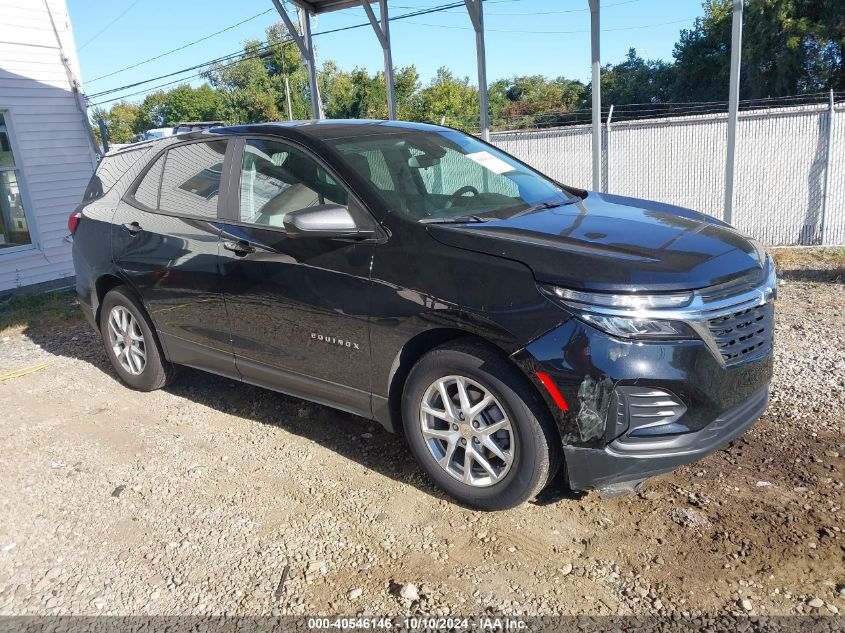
column 412, row 274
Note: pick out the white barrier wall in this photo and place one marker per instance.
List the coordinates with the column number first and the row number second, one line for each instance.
column 780, row 168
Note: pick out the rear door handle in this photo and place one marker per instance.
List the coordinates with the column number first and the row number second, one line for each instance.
column 239, row 248
column 133, row 227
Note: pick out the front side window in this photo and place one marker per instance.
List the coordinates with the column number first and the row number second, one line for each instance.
column 14, row 230
column 443, row 175
column 277, row 178
column 190, row 182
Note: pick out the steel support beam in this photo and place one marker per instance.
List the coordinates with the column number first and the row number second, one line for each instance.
column 733, row 106
column 306, row 49
column 382, row 30
column 476, row 14
column 595, row 41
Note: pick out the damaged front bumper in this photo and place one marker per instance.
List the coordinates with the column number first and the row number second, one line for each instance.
column 626, row 461
column 634, row 409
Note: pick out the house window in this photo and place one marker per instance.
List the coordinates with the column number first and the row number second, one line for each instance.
column 13, row 227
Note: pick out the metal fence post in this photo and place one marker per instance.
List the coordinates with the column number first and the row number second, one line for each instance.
column 595, row 35
column 831, row 115
column 607, row 152
column 733, row 106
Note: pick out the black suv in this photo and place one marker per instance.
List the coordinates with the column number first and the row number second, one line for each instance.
column 418, row 276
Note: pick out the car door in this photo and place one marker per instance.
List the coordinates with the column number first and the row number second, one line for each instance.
column 165, row 238
column 298, row 306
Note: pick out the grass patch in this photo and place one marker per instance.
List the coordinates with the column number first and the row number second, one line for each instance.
column 810, row 264
column 812, row 258
column 41, row 310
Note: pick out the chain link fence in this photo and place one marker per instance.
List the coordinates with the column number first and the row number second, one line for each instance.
column 785, row 156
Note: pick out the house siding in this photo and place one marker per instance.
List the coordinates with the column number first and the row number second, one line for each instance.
column 53, row 151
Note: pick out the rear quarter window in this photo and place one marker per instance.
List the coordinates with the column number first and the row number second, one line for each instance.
column 148, row 188
column 112, row 169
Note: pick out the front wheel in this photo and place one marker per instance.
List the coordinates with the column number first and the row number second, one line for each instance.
column 478, row 428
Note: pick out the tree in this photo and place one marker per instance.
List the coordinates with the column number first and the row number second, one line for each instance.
column 152, row 114
column 635, row 80
column 449, row 99
column 183, row 103
column 120, row 121
column 359, row 95
column 247, row 91
column 533, row 100
column 789, row 47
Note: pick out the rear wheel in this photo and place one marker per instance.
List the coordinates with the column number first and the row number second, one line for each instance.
column 478, row 428
column 131, row 344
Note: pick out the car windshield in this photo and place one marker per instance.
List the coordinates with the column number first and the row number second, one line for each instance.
column 443, row 176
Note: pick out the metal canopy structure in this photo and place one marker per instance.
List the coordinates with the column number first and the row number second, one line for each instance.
column 309, row 8
column 381, row 26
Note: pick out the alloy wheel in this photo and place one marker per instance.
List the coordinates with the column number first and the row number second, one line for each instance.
column 467, row 430
column 127, row 340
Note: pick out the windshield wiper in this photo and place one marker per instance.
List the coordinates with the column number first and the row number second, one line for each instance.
column 545, row 205
column 460, row 219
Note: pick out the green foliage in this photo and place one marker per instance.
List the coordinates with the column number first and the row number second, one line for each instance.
column 635, row 80
column 449, row 100
column 789, row 47
column 120, row 121
column 528, row 101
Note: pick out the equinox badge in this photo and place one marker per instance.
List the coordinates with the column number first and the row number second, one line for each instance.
column 331, row 340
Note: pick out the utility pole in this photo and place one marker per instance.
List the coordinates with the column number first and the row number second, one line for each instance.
column 104, row 135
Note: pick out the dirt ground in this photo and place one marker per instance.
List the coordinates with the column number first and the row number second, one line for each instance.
column 211, row 497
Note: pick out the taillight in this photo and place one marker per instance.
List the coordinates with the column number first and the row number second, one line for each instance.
column 73, row 221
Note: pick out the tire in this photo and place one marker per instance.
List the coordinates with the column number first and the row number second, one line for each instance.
column 154, row 372
column 532, row 441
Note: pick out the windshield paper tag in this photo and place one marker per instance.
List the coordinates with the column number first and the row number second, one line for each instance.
column 488, row 161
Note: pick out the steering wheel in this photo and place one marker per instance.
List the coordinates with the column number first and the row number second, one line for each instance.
column 459, row 194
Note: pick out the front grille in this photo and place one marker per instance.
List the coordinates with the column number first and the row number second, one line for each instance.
column 744, row 334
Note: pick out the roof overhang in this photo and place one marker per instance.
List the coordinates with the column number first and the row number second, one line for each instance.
column 316, row 7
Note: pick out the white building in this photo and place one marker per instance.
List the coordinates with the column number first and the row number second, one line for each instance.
column 47, row 153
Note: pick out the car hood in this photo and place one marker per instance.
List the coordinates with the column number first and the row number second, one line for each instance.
column 612, row 243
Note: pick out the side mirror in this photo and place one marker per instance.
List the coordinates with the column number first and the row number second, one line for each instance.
column 324, row 220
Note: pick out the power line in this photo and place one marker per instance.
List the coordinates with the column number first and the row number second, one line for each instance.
column 535, row 32
column 532, row 13
column 105, row 28
column 180, row 48
column 266, row 47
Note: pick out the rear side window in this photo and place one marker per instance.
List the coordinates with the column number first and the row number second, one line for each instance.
column 190, row 183
column 147, row 191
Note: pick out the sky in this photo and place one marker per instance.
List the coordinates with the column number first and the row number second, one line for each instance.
column 546, row 37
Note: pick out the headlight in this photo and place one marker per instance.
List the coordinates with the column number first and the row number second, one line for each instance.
column 626, row 302
column 628, row 327
column 633, row 316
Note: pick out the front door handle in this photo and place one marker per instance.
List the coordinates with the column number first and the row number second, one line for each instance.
column 240, row 248
column 133, row 227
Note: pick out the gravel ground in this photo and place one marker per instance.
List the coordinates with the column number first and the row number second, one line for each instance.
column 212, row 497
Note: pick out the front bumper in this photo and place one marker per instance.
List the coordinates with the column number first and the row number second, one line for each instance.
column 626, row 461
column 637, row 409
